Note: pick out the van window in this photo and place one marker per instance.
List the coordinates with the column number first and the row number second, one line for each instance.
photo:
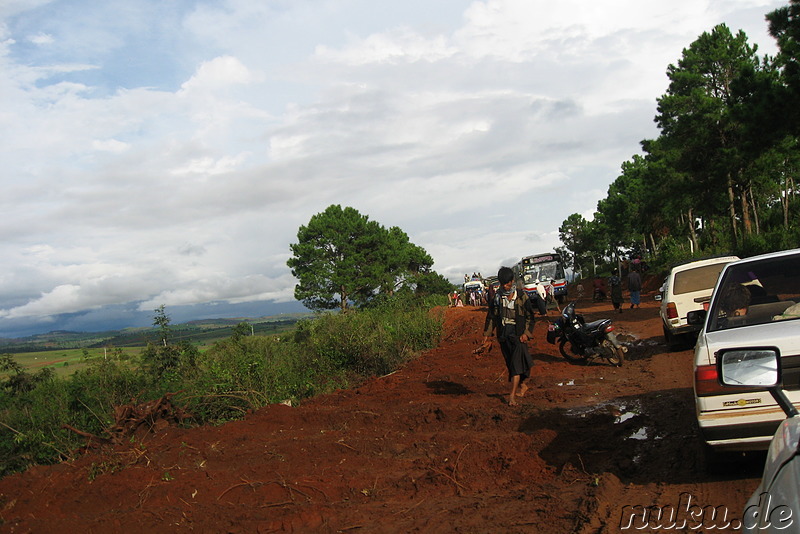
column 697, row 279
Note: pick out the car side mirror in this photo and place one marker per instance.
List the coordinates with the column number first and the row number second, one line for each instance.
column 757, row 368
column 697, row 317
column 749, row 367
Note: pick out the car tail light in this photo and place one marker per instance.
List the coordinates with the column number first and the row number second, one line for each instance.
column 672, row 311
column 706, row 381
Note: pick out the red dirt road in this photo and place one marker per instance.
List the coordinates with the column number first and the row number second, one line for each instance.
column 433, row 447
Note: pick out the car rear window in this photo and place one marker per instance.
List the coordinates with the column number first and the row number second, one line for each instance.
column 697, row 279
column 757, row 292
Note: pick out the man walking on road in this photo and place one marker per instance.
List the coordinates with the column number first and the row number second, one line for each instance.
column 511, row 318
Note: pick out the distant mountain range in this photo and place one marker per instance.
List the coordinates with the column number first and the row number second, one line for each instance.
column 123, row 316
column 196, row 331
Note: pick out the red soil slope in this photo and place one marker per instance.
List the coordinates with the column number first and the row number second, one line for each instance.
column 433, row 447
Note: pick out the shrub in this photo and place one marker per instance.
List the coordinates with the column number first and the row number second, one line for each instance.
column 328, row 352
column 33, row 418
column 242, row 373
column 374, row 341
column 31, row 432
column 221, row 384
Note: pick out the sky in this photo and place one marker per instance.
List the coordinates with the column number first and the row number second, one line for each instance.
column 167, row 151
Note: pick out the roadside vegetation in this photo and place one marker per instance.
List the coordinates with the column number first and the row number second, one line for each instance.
column 232, row 376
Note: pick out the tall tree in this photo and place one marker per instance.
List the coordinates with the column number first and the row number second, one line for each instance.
column 623, row 211
column 726, row 157
column 784, row 25
column 406, row 262
column 342, row 257
column 696, row 119
column 433, row 283
column 572, row 233
column 584, row 240
column 672, row 200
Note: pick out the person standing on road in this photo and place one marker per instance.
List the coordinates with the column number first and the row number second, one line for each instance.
column 490, row 292
column 599, row 289
column 635, row 286
column 616, row 290
column 511, row 316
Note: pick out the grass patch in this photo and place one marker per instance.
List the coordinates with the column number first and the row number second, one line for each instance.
column 65, row 362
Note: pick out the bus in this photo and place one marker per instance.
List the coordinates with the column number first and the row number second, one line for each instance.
column 543, row 268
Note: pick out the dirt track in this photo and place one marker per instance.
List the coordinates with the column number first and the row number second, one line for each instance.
column 431, row 448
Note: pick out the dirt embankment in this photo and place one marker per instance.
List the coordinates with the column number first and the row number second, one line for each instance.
column 433, row 447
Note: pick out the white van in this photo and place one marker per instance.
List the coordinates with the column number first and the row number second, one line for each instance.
column 688, row 288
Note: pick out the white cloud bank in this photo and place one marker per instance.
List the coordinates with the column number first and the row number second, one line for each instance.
column 166, row 153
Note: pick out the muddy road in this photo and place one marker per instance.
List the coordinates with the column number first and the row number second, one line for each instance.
column 433, row 447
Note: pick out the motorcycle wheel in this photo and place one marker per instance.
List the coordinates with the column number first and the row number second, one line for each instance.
column 617, row 356
column 567, row 352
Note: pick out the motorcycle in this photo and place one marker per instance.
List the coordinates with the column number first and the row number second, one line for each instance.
column 586, row 341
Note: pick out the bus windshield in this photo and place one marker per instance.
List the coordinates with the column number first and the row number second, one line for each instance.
column 543, row 271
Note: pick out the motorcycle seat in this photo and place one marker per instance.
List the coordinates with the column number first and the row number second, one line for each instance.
column 596, row 325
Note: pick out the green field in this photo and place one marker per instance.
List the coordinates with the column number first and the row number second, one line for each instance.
column 64, row 362
column 66, row 352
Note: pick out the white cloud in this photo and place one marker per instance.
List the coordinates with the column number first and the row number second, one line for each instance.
column 12, row 7
column 219, row 73
column 400, row 45
column 41, row 39
column 166, row 153
column 210, row 166
column 110, row 145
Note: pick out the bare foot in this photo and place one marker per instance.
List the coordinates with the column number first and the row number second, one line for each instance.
column 512, row 402
column 522, row 389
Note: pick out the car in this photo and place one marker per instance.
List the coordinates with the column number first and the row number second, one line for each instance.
column 755, row 306
column 775, row 504
column 688, row 287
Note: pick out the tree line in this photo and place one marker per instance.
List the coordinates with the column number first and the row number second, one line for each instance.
column 722, row 174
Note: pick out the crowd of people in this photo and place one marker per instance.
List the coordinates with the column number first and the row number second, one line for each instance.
column 473, row 294
column 476, row 277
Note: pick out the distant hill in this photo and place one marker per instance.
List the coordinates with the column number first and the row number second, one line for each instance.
column 198, row 332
